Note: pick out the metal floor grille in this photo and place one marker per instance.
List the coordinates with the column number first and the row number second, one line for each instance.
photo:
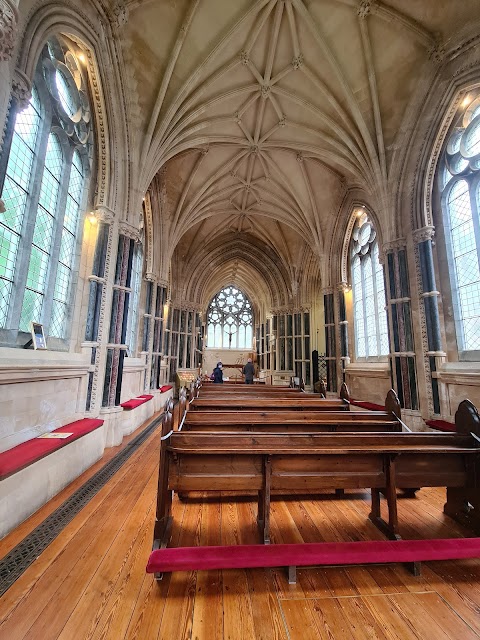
column 21, row 557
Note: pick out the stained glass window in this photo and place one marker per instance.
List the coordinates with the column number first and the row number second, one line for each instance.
column 43, row 194
column 230, row 320
column 370, row 318
column 460, row 187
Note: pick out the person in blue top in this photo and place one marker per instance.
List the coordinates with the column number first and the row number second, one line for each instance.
column 218, row 373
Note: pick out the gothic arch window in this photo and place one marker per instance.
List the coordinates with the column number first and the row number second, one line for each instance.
column 460, row 196
column 368, row 289
column 230, row 320
column 44, row 192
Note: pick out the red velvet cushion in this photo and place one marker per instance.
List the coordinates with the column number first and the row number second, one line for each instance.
column 371, row 406
column 133, row 403
column 146, row 396
column 323, row 553
column 441, row 425
column 165, row 387
column 29, row 452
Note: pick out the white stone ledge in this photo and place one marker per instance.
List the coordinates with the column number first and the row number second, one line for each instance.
column 460, row 373
column 368, row 369
column 18, row 365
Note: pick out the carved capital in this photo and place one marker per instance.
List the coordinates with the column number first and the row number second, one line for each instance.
column 395, row 245
column 8, row 29
column 150, row 277
column 21, row 89
column 105, row 215
column 326, row 291
column 423, row 234
column 128, row 230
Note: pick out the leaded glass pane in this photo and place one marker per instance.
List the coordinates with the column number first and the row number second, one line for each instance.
column 57, row 322
column 31, row 309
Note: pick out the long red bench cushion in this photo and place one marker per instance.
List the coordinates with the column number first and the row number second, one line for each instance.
column 441, row 425
column 371, row 406
column 29, row 452
column 165, row 387
column 147, row 396
column 133, row 403
column 323, row 553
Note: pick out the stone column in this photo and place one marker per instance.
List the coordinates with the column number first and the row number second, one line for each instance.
column 331, row 351
column 433, row 353
column 343, row 287
column 402, row 348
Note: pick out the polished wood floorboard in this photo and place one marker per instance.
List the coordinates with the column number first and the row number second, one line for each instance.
column 91, row 581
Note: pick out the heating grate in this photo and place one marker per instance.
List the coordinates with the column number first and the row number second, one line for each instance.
column 21, row 557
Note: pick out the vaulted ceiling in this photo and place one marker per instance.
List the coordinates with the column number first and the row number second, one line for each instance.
column 263, row 113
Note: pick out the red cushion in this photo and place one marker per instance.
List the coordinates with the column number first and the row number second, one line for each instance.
column 371, row 406
column 441, row 425
column 165, row 387
column 146, row 396
column 29, row 452
column 133, row 403
column 323, row 553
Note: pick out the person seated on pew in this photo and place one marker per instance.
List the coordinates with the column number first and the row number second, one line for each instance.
column 249, row 372
column 218, row 373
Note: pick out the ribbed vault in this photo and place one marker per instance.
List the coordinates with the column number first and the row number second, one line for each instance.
column 265, row 113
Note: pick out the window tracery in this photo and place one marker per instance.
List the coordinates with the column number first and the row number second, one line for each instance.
column 44, row 191
column 230, row 320
column 459, row 181
column 368, row 285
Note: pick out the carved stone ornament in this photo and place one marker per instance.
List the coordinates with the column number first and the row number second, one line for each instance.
column 130, row 231
column 395, row 245
column 437, row 52
column 21, row 89
column 423, row 234
column 119, row 14
column 8, row 29
column 365, row 8
column 150, row 277
column 105, row 215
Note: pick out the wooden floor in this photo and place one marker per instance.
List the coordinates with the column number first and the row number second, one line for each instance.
column 91, row 581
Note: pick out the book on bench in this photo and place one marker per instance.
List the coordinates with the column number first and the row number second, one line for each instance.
column 56, row 436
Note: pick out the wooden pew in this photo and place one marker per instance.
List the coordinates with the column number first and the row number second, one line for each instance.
column 276, row 404
column 300, row 421
column 192, row 461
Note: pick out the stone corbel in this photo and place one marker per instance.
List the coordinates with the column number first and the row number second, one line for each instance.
column 8, row 29
column 150, row 277
column 21, row 89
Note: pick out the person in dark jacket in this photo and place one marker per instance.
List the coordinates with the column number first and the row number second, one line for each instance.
column 218, row 373
column 249, row 372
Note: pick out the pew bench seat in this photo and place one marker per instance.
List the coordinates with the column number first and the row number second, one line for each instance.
column 441, row 425
column 29, row 452
column 369, row 406
column 133, row 403
column 33, row 472
column 310, row 554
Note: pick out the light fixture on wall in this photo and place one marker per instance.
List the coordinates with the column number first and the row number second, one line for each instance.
column 466, row 101
column 81, row 57
column 92, row 217
column 345, row 287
